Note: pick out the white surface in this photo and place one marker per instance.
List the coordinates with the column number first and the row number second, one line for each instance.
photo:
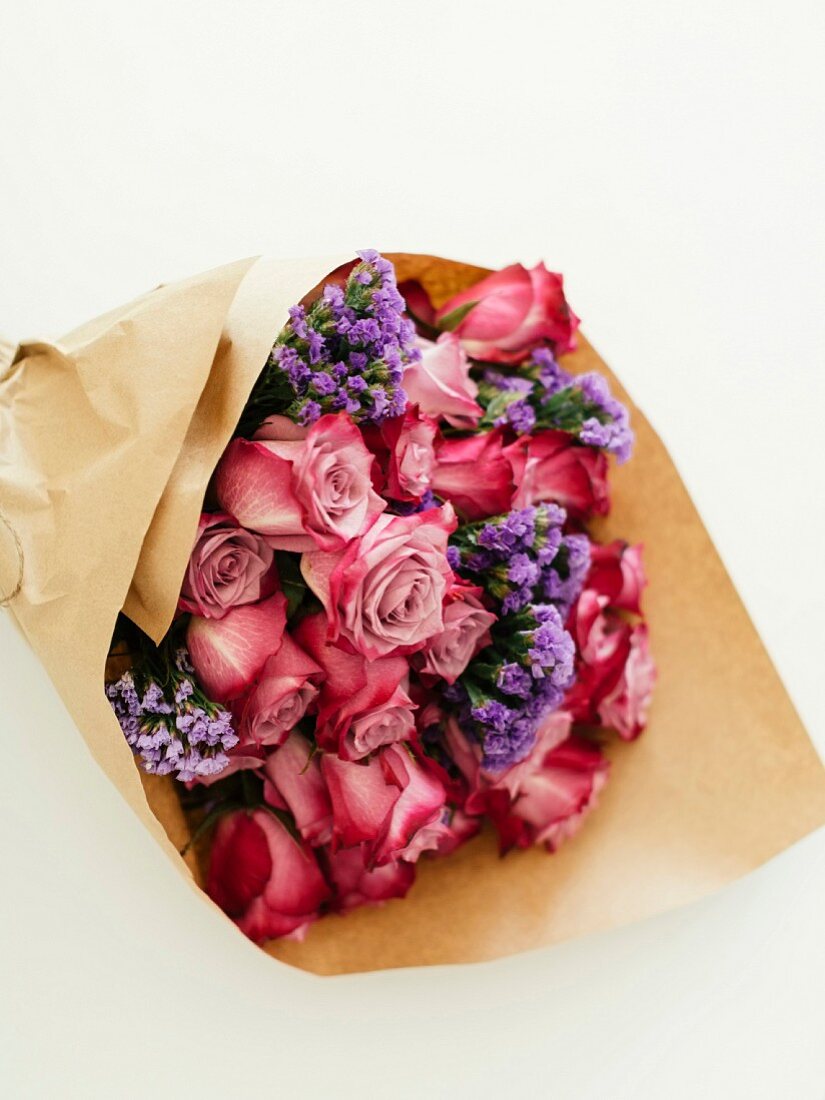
column 667, row 158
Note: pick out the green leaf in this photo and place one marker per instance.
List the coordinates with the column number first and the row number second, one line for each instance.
column 454, row 318
column 292, row 582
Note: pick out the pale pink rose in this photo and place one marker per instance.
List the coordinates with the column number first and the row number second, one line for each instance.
column 384, row 592
column 228, row 567
column 278, row 701
column 229, row 653
column 552, row 466
column 302, row 493
column 268, row 882
column 466, row 630
column 293, row 782
column 503, row 317
column 440, row 383
column 355, row 884
column 362, row 703
column 383, row 802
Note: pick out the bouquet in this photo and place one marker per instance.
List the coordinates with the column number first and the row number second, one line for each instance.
column 339, row 532
column 394, row 624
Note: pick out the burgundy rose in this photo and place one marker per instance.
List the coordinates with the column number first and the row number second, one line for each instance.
column 228, row 566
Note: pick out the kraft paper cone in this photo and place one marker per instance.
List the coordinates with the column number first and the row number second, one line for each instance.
column 107, row 441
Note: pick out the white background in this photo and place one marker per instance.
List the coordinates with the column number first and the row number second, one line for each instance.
column 668, row 158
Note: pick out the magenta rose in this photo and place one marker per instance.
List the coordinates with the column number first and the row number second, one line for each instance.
column 302, row 493
column 466, row 630
column 475, row 474
column 355, row 884
column 268, row 882
column 228, row 654
column 293, row 782
column 550, row 796
column 615, row 673
column 279, row 699
column 440, row 383
column 383, row 803
column 502, row 318
column 228, row 567
column 616, row 571
column 552, row 466
column 384, row 592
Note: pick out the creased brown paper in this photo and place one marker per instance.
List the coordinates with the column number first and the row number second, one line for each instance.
column 107, row 441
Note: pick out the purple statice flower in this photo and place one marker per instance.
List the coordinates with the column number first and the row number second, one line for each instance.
column 551, row 649
column 562, row 583
column 513, row 679
column 346, row 351
column 609, row 426
column 551, row 376
column 509, row 533
column 188, row 736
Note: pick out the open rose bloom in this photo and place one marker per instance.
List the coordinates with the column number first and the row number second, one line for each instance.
column 387, row 612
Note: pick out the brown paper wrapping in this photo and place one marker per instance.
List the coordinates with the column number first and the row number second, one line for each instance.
column 107, row 441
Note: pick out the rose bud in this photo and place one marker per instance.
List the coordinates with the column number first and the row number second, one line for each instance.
column 475, row 474
column 383, row 803
column 229, row 653
column 268, row 882
column 552, row 466
column 228, row 567
column 440, row 383
column 278, row 701
column 354, row 884
column 503, row 317
column 293, row 782
column 383, row 593
column 302, row 493
column 550, row 796
column 466, row 631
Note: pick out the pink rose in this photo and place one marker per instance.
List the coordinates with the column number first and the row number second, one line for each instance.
column 616, row 571
column 355, row 884
column 383, row 593
column 228, row 567
column 293, row 782
column 229, row 653
column 554, row 791
column 382, row 803
column 278, row 701
column 625, row 708
column 440, row 383
column 475, row 474
column 362, row 704
column 466, row 630
column 412, row 457
column 502, row 318
column 552, row 466
column 302, row 493
column 262, row 877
